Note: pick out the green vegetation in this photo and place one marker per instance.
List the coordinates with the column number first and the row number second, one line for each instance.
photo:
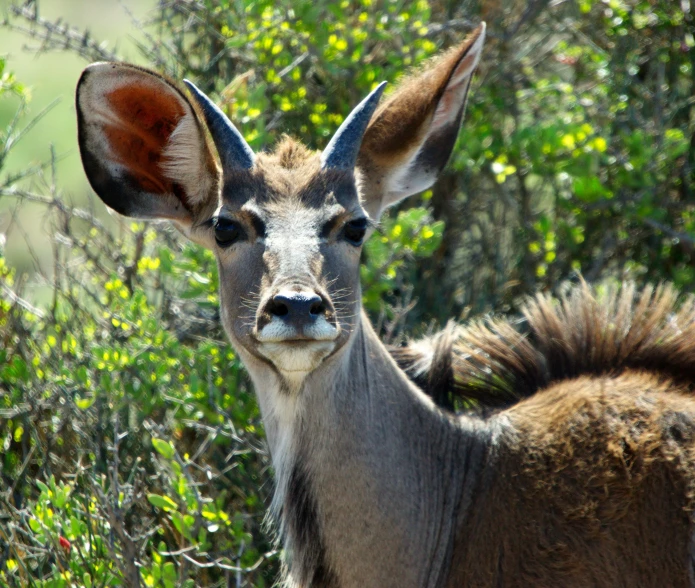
column 132, row 446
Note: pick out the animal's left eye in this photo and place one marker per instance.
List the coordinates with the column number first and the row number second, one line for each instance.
column 355, row 231
column 227, row 232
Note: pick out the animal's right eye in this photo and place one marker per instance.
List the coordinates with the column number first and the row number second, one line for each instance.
column 355, row 231
column 227, row 232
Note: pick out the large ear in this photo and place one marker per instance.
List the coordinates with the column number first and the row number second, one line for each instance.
column 143, row 147
column 411, row 135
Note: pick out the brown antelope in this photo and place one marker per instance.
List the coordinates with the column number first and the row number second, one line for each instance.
column 579, row 470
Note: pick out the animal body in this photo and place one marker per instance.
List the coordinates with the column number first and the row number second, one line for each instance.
column 575, row 467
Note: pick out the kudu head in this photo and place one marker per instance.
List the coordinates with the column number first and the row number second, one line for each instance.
column 286, row 226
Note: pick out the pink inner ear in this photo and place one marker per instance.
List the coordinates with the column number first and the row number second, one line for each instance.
column 142, row 122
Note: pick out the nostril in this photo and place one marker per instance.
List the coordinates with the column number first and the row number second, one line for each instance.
column 277, row 307
column 317, row 307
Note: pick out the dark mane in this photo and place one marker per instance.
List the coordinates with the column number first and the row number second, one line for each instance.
column 494, row 363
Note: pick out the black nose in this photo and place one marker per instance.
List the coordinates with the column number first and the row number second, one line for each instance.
column 297, row 306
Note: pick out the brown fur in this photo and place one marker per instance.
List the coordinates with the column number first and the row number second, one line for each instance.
column 495, row 363
column 400, row 123
column 145, row 123
column 595, row 483
column 289, row 154
column 595, row 489
column 289, row 172
column 411, row 135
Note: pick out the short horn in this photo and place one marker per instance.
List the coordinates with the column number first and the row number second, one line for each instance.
column 341, row 151
column 232, row 148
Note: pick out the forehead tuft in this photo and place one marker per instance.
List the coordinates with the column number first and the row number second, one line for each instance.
column 290, row 154
column 290, row 173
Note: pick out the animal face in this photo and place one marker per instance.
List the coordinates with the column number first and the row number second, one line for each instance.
column 286, row 226
column 288, row 242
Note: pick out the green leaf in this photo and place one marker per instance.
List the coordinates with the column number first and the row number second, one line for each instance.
column 84, row 403
column 156, row 572
column 163, row 502
column 178, row 522
column 169, row 575
column 164, row 448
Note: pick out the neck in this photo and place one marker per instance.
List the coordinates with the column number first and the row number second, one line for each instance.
column 369, row 473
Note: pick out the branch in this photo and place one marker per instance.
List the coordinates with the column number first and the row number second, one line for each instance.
column 56, row 36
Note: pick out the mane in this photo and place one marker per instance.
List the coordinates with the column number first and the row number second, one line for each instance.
column 494, row 363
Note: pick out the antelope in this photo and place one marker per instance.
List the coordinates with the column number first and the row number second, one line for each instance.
column 574, row 464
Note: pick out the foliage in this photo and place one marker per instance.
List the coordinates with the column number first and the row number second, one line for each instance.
column 578, row 155
column 132, row 444
column 299, row 67
column 152, row 431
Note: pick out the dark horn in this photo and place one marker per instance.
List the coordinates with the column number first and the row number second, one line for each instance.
column 341, row 151
column 232, row 148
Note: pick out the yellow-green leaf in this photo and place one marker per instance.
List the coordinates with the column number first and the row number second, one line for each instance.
column 164, row 448
column 163, row 502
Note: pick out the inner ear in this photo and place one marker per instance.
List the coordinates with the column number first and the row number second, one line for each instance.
column 142, row 145
column 137, row 127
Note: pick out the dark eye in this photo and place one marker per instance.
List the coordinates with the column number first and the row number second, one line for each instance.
column 227, row 232
column 355, row 230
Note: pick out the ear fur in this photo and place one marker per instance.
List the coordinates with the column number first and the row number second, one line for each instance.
column 411, row 136
column 143, row 147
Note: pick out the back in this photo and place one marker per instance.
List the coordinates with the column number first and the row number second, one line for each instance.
column 590, row 476
column 590, row 483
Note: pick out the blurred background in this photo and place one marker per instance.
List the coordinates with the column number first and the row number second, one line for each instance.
column 132, row 449
column 49, row 75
